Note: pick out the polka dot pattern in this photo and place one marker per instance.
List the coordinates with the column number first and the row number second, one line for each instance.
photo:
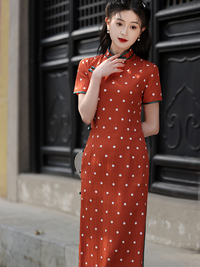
column 115, row 167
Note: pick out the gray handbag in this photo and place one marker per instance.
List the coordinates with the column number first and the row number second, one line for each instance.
column 77, row 162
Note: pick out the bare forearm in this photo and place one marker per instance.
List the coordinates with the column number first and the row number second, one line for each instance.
column 149, row 129
column 88, row 105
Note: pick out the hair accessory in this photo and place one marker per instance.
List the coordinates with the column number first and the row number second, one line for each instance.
column 120, row 1
column 144, row 5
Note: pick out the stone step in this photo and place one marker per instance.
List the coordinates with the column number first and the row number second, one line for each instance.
column 33, row 236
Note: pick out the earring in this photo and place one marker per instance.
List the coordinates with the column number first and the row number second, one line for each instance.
column 138, row 39
column 108, row 31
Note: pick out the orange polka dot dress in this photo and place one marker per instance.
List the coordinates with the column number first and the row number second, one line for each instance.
column 115, row 165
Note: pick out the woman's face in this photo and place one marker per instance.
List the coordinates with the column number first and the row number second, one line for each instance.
column 124, row 28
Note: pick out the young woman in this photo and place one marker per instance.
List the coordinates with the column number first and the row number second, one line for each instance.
column 111, row 88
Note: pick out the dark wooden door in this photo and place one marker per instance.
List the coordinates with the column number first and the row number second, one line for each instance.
column 176, row 163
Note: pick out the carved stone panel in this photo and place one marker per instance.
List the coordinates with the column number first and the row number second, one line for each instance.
column 57, row 109
column 180, row 110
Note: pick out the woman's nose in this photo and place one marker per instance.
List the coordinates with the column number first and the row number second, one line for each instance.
column 124, row 31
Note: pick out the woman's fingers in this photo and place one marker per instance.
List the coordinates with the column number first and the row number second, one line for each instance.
column 117, row 65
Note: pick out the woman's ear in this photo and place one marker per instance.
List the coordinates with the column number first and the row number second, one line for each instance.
column 143, row 29
column 107, row 22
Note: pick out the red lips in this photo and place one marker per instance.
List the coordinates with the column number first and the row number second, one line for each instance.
column 122, row 40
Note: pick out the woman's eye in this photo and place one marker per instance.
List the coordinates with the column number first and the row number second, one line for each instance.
column 119, row 24
column 133, row 27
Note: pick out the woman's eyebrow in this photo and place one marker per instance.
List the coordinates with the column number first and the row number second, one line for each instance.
column 131, row 21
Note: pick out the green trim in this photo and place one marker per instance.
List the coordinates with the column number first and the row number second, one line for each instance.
column 92, row 68
column 79, row 92
column 151, row 102
column 121, row 56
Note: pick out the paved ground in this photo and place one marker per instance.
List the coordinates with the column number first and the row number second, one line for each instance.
column 57, row 246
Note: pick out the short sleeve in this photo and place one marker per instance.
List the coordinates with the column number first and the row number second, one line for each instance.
column 152, row 92
column 82, row 78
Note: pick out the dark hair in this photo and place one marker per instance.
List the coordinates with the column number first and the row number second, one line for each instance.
column 141, row 48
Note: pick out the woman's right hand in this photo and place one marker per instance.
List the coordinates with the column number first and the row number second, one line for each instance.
column 109, row 66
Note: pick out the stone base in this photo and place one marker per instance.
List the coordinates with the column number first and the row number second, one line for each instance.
column 170, row 221
column 173, row 221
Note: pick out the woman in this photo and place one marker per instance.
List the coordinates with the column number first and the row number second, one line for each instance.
column 111, row 88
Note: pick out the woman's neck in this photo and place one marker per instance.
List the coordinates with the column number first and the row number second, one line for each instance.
column 116, row 50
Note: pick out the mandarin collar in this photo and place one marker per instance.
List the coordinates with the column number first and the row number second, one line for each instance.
column 126, row 55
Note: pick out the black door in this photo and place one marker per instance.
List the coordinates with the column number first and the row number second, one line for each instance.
column 176, row 163
column 62, row 32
